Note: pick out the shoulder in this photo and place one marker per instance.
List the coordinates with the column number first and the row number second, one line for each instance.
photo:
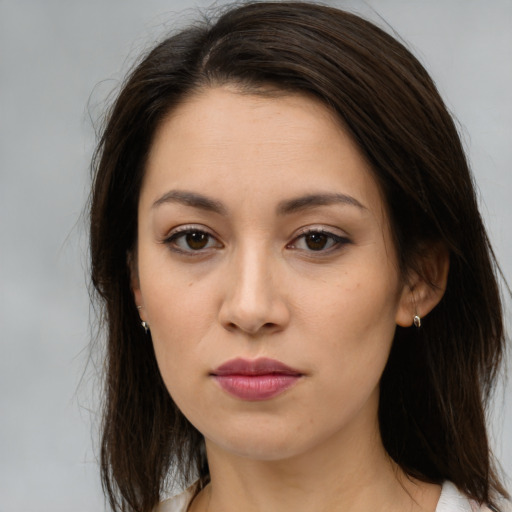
column 178, row 503
column 453, row 500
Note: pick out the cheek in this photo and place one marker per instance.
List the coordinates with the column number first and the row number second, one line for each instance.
column 353, row 306
column 350, row 325
column 174, row 301
column 180, row 314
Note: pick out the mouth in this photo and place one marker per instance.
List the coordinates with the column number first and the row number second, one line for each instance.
column 255, row 380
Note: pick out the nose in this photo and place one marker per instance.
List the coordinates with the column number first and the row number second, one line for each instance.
column 253, row 300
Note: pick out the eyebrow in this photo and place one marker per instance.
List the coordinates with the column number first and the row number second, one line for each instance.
column 192, row 199
column 286, row 207
column 314, row 200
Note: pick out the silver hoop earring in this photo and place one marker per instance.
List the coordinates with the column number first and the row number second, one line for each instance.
column 416, row 321
column 145, row 326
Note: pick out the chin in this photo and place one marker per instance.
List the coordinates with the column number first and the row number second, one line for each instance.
column 263, row 443
column 262, row 450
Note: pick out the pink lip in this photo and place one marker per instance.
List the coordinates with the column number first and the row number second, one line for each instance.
column 259, row 379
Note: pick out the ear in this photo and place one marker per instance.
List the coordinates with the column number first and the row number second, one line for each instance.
column 131, row 261
column 425, row 287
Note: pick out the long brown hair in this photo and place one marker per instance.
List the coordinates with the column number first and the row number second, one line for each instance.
column 438, row 380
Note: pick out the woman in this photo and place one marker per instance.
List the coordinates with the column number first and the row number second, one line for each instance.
column 301, row 299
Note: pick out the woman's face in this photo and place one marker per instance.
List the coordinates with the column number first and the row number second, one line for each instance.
column 267, row 273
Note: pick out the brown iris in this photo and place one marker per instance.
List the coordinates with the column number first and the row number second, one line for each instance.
column 316, row 241
column 197, row 240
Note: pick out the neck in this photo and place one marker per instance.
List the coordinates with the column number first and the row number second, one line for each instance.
column 360, row 477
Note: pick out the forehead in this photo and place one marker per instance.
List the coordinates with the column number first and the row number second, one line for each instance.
column 224, row 116
column 221, row 140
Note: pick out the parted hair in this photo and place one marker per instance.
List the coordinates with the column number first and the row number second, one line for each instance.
column 438, row 381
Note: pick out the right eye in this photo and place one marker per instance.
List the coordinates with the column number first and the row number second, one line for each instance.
column 192, row 240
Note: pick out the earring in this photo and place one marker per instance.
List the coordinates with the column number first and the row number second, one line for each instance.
column 139, row 307
column 416, row 321
column 145, row 326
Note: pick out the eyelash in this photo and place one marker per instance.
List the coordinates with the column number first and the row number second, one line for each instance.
column 337, row 242
column 181, row 233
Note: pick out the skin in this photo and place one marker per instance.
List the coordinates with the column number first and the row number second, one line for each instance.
column 248, row 281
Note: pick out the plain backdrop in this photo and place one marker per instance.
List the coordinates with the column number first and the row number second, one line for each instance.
column 59, row 60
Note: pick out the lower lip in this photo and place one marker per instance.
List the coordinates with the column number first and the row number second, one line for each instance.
column 256, row 387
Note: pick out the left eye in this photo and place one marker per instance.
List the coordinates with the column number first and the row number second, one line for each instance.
column 317, row 241
column 192, row 240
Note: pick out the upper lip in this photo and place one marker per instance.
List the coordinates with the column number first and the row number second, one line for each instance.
column 261, row 366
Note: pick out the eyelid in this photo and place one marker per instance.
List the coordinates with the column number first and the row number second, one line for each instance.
column 322, row 228
column 341, row 238
column 179, row 231
column 188, row 227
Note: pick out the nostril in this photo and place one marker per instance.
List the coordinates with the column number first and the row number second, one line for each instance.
column 252, row 329
column 253, row 315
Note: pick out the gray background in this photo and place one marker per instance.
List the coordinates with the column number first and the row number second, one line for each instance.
column 58, row 62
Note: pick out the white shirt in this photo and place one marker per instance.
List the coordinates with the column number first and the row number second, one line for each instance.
column 451, row 500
